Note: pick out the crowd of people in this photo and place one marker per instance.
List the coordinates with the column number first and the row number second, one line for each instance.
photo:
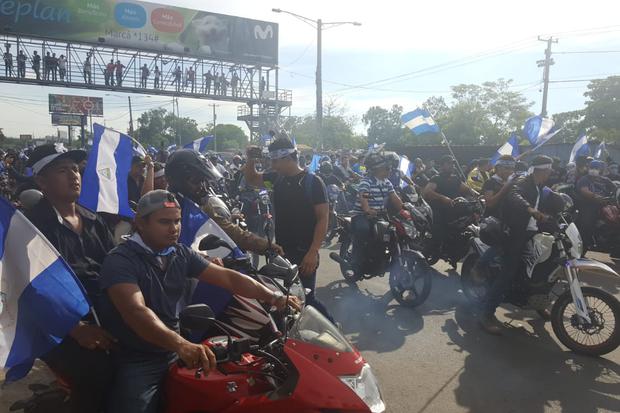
column 137, row 274
column 51, row 67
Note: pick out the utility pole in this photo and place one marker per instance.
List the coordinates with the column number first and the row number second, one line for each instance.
column 175, row 102
column 319, row 84
column 546, row 63
column 214, row 133
column 130, row 118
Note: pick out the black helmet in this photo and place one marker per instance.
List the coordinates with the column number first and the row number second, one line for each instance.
column 185, row 163
column 375, row 161
column 326, row 168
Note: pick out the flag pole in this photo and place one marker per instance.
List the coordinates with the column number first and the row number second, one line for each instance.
column 445, row 138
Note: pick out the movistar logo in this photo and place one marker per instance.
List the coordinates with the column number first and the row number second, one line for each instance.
column 263, row 34
column 34, row 9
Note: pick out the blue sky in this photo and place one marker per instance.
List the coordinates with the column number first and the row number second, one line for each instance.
column 395, row 38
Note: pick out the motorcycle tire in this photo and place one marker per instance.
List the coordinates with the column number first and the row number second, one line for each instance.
column 345, row 265
column 589, row 294
column 472, row 288
column 406, row 277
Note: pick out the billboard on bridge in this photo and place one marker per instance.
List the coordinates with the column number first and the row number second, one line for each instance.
column 144, row 26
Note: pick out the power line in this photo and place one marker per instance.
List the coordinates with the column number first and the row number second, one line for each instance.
column 589, row 52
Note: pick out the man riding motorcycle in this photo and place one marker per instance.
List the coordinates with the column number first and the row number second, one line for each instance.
column 187, row 174
column 441, row 192
column 591, row 191
column 375, row 192
column 144, row 282
column 522, row 215
column 495, row 188
column 479, row 175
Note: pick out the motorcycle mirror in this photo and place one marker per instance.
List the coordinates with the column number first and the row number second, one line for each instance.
column 213, row 242
column 196, row 317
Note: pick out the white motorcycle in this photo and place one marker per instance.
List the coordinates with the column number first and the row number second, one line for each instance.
column 585, row 319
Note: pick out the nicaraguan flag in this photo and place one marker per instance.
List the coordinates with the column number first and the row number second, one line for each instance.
column 601, row 150
column 104, row 183
column 172, row 148
column 40, row 298
column 196, row 224
column 509, row 148
column 200, row 145
column 406, row 167
column 536, row 128
column 315, row 163
column 581, row 148
column 420, row 121
column 152, row 150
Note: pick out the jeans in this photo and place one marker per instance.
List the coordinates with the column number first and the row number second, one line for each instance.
column 513, row 251
column 138, row 382
column 586, row 222
column 296, row 256
column 88, row 372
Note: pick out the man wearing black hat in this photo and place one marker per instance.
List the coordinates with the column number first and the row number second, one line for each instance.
column 521, row 213
column 83, row 240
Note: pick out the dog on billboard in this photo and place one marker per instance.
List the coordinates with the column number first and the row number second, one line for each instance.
column 206, row 35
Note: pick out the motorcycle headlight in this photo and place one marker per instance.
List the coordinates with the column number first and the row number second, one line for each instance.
column 367, row 388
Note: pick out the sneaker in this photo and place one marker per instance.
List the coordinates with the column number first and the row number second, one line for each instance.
column 490, row 324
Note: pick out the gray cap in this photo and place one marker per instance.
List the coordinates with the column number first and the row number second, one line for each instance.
column 154, row 201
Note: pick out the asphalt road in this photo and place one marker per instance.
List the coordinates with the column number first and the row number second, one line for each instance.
column 435, row 358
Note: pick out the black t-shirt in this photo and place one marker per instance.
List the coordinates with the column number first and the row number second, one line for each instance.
column 331, row 180
column 447, row 185
column 134, row 190
column 492, row 185
column 294, row 201
column 165, row 291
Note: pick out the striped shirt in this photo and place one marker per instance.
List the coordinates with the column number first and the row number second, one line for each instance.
column 377, row 192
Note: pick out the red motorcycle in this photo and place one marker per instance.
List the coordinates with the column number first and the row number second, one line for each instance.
column 312, row 368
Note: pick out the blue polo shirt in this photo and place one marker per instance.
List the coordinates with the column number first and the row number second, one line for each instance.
column 163, row 280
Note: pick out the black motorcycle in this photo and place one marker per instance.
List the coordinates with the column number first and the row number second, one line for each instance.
column 460, row 230
column 391, row 250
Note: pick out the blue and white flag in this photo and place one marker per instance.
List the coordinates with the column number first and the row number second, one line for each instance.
column 200, row 145
column 40, row 298
column 172, row 148
column 266, row 139
column 104, row 183
column 581, row 148
column 196, row 224
column 509, row 148
column 315, row 163
column 376, row 147
column 406, row 167
column 294, row 141
column 152, row 150
column 536, row 128
column 601, row 150
column 420, row 121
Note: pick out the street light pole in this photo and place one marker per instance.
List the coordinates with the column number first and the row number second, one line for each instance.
column 320, row 26
column 319, row 84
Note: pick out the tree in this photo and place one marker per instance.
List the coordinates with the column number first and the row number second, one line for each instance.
column 572, row 124
column 602, row 112
column 229, row 137
column 384, row 126
column 160, row 128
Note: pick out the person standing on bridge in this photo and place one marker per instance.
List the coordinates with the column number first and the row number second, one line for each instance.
column 8, row 63
column 234, row 83
column 54, row 67
column 178, row 73
column 21, row 65
column 87, row 70
column 206, row 86
column 144, row 76
column 157, row 75
column 119, row 73
column 36, row 64
column 62, row 67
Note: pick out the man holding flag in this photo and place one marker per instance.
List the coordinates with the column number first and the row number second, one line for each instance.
column 83, row 240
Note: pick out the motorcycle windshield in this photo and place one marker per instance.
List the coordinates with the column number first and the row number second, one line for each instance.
column 313, row 328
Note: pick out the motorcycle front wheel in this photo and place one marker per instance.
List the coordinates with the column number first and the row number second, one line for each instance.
column 475, row 285
column 599, row 337
column 410, row 281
